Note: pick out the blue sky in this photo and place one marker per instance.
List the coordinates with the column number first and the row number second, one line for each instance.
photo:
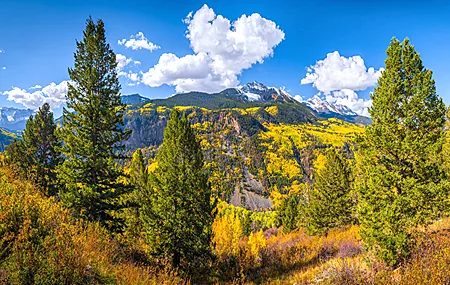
column 37, row 40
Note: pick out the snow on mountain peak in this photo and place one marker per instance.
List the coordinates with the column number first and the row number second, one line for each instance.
column 322, row 106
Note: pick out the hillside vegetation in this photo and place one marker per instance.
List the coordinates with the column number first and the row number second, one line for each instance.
column 147, row 193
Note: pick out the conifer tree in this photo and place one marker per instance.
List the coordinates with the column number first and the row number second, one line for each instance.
column 289, row 213
column 139, row 179
column 177, row 210
column 138, row 170
column 92, row 131
column 36, row 155
column 400, row 180
column 331, row 203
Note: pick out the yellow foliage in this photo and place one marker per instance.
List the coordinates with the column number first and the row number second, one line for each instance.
column 227, row 232
column 273, row 110
column 44, row 242
column 252, row 110
column 256, row 242
column 183, row 108
column 152, row 166
column 320, row 161
column 161, row 109
column 276, row 197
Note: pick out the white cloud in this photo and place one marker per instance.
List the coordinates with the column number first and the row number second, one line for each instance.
column 222, row 50
column 122, row 61
column 53, row 94
column 36, row 87
column 139, row 41
column 298, row 98
column 4, row 67
column 338, row 78
column 2, row 51
column 336, row 72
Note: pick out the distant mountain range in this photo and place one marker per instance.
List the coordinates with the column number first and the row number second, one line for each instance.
column 14, row 118
column 252, row 94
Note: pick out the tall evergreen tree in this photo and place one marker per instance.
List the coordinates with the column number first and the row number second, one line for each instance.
column 331, row 203
column 36, row 155
column 92, row 131
column 288, row 213
column 139, row 179
column 400, row 180
column 177, row 210
column 138, row 170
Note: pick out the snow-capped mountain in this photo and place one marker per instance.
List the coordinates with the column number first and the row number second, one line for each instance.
column 324, row 107
column 258, row 92
column 14, row 118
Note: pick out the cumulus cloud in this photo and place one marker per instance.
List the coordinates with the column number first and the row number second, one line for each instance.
column 122, row 61
column 336, row 72
column 138, row 41
column 222, row 50
column 53, row 94
column 298, row 98
column 338, row 77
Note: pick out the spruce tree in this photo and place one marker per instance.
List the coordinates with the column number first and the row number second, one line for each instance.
column 177, row 210
column 400, row 181
column 92, row 131
column 36, row 155
column 331, row 203
column 289, row 214
column 138, row 170
column 138, row 175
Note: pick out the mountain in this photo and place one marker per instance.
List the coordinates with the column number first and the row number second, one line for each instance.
column 14, row 118
column 251, row 94
column 133, row 99
column 253, row 153
column 258, row 141
column 329, row 110
column 324, row 107
column 258, row 92
column 255, row 94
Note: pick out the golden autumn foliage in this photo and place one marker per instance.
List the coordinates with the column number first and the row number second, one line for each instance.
column 40, row 243
column 227, row 234
column 256, row 242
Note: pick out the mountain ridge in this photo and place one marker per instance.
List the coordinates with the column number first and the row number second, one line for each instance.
column 254, row 94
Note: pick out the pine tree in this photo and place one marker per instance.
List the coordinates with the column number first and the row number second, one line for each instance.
column 400, row 181
column 139, row 179
column 177, row 210
column 138, row 170
column 92, row 131
column 289, row 214
column 36, row 155
column 331, row 203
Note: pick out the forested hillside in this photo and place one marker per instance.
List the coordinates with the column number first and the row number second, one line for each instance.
column 254, row 153
column 246, row 186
